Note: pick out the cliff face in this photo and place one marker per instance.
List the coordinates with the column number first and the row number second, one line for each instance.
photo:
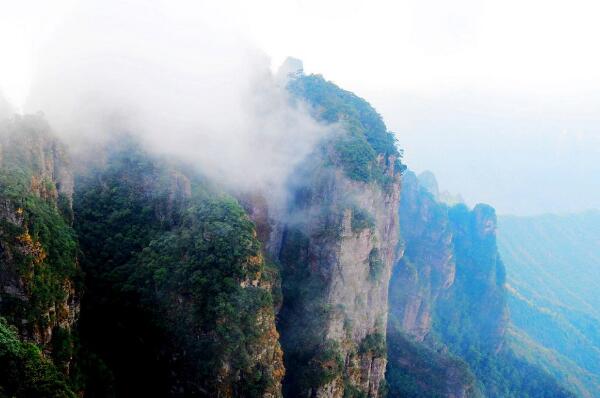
column 347, row 255
column 419, row 365
column 179, row 296
column 475, row 308
column 191, row 292
column 450, row 273
column 427, row 267
column 39, row 270
column 448, row 310
column 337, row 249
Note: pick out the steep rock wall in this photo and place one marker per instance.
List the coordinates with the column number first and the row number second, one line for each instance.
column 448, row 315
column 419, row 365
column 341, row 247
column 475, row 309
column 39, row 272
column 338, row 244
column 427, row 267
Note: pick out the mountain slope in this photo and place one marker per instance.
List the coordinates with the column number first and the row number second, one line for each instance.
column 178, row 296
column 553, row 264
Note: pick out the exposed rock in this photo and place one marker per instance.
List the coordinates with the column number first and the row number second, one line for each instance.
column 427, row 267
column 480, row 278
column 348, row 234
column 446, row 294
column 290, row 69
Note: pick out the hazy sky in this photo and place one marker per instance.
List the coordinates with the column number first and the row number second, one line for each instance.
column 500, row 99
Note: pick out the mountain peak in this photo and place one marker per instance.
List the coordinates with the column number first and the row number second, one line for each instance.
column 291, row 68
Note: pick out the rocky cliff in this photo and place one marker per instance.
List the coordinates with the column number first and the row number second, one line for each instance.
column 474, row 308
column 450, row 273
column 448, row 310
column 337, row 248
column 419, row 364
column 427, row 267
column 38, row 249
column 346, row 289
column 40, row 280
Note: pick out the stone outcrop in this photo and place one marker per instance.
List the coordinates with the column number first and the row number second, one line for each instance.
column 450, row 254
column 340, row 242
column 446, row 293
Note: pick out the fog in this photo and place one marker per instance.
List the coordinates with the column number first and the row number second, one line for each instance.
column 187, row 87
column 523, row 154
column 498, row 99
column 5, row 108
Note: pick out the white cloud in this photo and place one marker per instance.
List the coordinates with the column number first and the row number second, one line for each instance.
column 463, row 66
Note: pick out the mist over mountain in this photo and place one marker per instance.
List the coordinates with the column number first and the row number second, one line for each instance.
column 180, row 219
column 145, row 275
column 186, row 87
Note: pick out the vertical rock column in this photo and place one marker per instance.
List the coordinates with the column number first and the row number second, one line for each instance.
column 337, row 253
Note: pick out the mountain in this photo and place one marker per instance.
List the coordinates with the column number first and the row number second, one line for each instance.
column 128, row 272
column 336, row 255
column 428, row 180
column 553, row 262
column 448, row 307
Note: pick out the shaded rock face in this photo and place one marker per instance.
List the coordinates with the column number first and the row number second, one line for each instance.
column 336, row 255
column 338, row 242
column 446, row 293
column 427, row 267
column 38, row 262
column 475, row 308
column 450, row 273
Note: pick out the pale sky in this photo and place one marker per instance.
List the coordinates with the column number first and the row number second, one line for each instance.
column 500, row 99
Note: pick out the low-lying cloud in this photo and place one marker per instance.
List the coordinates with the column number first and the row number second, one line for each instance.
column 187, row 87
